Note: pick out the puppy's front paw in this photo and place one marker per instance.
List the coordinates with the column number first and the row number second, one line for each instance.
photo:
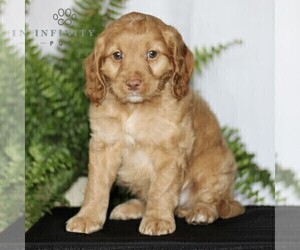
column 83, row 224
column 157, row 226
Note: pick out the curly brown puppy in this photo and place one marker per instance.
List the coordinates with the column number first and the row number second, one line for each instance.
column 151, row 134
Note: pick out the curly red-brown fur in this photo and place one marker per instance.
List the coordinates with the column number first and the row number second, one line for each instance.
column 150, row 134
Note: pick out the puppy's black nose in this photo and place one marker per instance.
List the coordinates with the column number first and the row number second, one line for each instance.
column 133, row 84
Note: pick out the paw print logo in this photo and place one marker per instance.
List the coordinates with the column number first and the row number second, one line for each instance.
column 64, row 16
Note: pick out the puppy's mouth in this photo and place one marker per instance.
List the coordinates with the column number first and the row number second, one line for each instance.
column 134, row 97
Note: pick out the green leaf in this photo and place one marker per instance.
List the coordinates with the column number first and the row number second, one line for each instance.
column 204, row 55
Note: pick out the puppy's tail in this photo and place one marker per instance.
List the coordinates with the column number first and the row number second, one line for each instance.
column 229, row 208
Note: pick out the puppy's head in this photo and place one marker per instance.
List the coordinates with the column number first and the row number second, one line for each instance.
column 135, row 57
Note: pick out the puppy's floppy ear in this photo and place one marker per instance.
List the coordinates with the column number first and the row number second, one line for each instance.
column 95, row 87
column 183, row 62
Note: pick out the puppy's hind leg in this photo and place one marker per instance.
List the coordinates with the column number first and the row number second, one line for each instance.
column 129, row 210
column 210, row 191
column 228, row 208
column 206, row 213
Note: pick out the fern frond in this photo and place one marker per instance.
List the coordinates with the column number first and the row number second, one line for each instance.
column 55, row 133
column 248, row 172
column 288, row 178
column 206, row 55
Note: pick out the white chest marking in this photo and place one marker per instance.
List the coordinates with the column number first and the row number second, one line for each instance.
column 129, row 128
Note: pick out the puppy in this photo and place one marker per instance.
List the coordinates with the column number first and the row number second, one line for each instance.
column 151, row 134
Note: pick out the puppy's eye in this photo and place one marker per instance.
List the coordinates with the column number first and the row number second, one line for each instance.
column 152, row 54
column 117, row 55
